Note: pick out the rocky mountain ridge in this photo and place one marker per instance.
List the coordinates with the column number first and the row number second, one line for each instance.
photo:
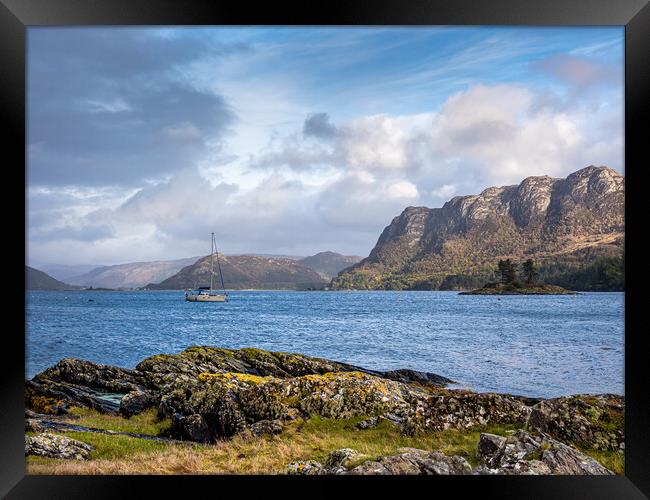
column 576, row 219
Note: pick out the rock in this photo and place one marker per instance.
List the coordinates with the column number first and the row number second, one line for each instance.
column 55, row 446
column 541, row 218
column 266, row 427
column 415, row 462
column 33, row 425
column 192, row 427
column 368, row 423
column 524, row 453
column 302, row 468
column 232, row 402
column 462, row 411
column 136, row 402
column 342, row 457
column 593, row 421
column 410, row 376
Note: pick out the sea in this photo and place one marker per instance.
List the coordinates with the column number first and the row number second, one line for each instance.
column 538, row 346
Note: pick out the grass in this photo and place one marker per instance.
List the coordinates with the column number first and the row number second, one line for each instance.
column 613, row 460
column 310, row 439
column 301, row 440
column 146, row 422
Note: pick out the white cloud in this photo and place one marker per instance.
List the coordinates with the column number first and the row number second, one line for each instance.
column 445, row 191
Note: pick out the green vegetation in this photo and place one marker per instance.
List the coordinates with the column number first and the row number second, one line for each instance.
column 605, row 274
column 146, row 422
column 310, row 439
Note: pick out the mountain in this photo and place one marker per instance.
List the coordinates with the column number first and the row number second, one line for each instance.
column 573, row 228
column 245, row 271
column 62, row 272
column 38, row 280
column 329, row 264
column 133, row 275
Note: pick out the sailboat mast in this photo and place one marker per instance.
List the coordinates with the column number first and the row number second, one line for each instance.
column 211, row 259
column 219, row 265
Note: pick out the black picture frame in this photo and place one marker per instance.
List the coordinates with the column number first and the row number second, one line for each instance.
column 17, row 15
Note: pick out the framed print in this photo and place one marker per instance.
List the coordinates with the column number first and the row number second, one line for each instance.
column 418, row 219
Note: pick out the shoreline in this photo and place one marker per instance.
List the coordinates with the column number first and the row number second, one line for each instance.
column 243, row 398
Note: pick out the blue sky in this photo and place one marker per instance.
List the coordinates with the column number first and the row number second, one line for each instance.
column 297, row 140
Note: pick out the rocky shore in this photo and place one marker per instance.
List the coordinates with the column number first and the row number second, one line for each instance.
column 509, row 289
column 208, row 396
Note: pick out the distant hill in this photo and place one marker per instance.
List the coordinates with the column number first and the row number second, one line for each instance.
column 245, row 271
column 62, row 272
column 574, row 228
column 38, row 280
column 329, row 264
column 133, row 275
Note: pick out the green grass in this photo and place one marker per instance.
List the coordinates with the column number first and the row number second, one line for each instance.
column 146, row 422
column 613, row 460
column 311, row 439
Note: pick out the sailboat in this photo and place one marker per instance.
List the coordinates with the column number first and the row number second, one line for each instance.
column 204, row 293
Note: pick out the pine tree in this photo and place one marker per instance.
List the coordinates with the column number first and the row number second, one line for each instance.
column 530, row 271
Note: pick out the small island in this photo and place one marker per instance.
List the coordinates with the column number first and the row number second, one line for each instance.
column 509, row 284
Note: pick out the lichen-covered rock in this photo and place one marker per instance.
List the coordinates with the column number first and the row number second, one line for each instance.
column 462, row 411
column 415, row 462
column 74, row 382
column 266, row 427
column 163, row 369
column 232, row 402
column 343, row 457
column 592, row 421
column 136, row 402
column 55, row 446
column 302, row 468
column 33, row 425
column 191, row 427
column 367, row 423
column 527, row 454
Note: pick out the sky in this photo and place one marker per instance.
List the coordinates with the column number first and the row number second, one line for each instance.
column 296, row 140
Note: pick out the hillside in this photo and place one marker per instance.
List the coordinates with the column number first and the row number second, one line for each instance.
column 329, row 264
column 38, row 280
column 132, row 275
column 245, row 271
column 573, row 227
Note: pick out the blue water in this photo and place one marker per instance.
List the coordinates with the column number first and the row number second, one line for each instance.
column 531, row 345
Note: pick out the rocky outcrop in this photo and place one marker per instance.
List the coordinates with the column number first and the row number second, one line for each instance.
column 55, row 446
column 415, row 462
column 549, row 220
column 136, row 402
column 524, row 453
column 595, row 421
column 211, row 394
column 73, row 382
column 519, row 454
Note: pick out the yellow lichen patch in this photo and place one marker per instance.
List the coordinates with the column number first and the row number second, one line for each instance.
column 231, row 376
column 329, row 377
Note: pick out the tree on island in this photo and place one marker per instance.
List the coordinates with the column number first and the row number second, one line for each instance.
column 507, row 271
column 530, row 271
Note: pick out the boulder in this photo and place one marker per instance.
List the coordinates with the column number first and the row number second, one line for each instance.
column 266, row 427
column 367, row 423
column 462, row 411
column 55, row 446
column 594, row 421
column 528, row 454
column 343, row 457
column 136, row 402
column 304, row 468
column 415, row 462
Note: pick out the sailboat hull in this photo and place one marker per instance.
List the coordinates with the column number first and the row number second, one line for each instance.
column 206, row 298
